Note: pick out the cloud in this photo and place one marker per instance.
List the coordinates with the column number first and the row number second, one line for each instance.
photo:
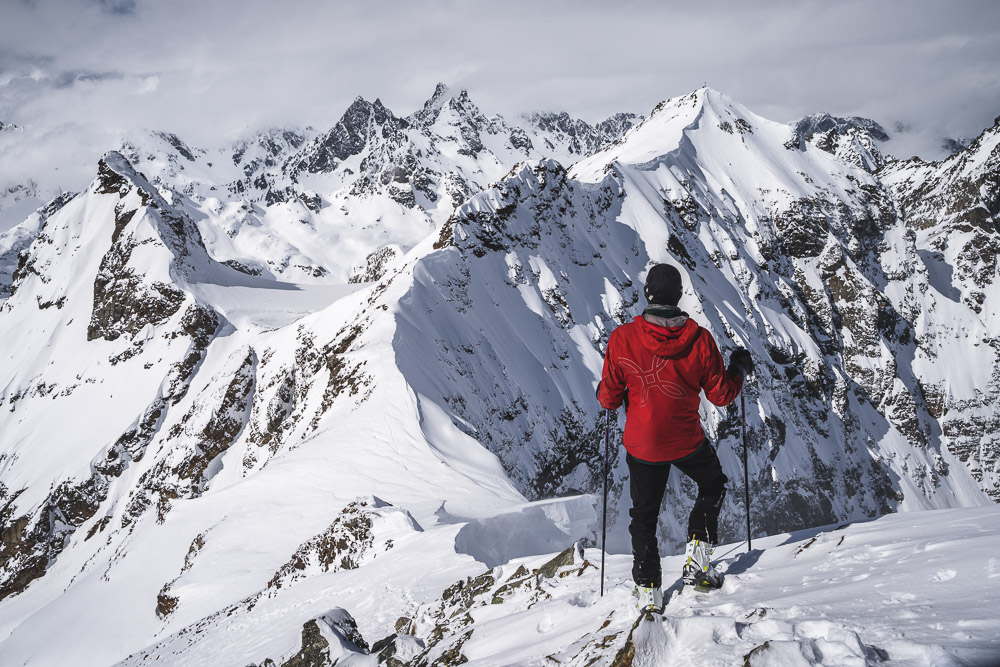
column 78, row 74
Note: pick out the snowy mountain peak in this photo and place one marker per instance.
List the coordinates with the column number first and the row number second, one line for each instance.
column 706, row 110
column 210, row 349
column 116, row 175
column 432, row 106
column 361, row 122
column 459, row 111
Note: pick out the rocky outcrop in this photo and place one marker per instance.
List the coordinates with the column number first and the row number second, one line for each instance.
column 376, row 265
column 16, row 261
column 342, row 546
column 126, row 300
column 316, row 649
column 187, row 469
column 30, row 543
column 441, row 628
column 166, row 604
column 353, row 538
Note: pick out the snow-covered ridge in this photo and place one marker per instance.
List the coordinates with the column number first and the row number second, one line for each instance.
column 892, row 591
column 214, row 357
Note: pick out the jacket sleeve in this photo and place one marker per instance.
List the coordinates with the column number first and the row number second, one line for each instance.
column 720, row 387
column 611, row 391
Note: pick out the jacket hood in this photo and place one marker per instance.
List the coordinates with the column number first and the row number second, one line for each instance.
column 667, row 341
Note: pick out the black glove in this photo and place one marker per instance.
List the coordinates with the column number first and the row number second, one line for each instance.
column 740, row 362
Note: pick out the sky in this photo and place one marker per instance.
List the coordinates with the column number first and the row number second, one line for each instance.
column 77, row 75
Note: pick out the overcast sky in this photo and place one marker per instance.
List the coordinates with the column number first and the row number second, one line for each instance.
column 79, row 73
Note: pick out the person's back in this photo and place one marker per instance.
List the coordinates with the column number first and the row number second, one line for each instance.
column 665, row 361
column 657, row 365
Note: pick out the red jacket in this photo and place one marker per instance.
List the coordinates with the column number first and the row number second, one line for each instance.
column 664, row 370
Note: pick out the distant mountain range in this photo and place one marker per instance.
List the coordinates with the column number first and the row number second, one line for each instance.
column 223, row 367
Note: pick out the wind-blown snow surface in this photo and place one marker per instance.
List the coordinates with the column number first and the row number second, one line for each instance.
column 918, row 588
column 322, row 374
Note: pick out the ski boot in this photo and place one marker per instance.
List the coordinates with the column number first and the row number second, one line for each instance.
column 650, row 599
column 698, row 569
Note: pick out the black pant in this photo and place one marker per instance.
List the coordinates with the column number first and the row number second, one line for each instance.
column 647, row 482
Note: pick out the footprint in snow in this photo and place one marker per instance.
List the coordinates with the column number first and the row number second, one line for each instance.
column 900, row 598
column 944, row 575
column 582, row 598
column 546, row 624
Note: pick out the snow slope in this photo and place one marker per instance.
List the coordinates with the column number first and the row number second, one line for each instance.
column 919, row 588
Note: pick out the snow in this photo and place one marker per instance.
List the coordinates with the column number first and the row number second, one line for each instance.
column 919, row 588
column 268, row 304
column 444, row 394
column 911, row 589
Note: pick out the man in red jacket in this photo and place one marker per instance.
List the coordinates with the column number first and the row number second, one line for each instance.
column 658, row 365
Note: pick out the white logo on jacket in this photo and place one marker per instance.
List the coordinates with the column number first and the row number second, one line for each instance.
column 651, row 379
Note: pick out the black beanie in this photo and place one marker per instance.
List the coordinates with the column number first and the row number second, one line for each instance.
column 663, row 285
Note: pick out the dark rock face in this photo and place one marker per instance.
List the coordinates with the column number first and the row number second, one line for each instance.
column 178, row 145
column 954, row 207
column 125, row 301
column 124, row 304
column 803, row 228
column 955, row 145
column 362, row 122
column 31, row 543
column 824, row 122
column 315, row 651
column 582, row 138
column 340, row 547
column 375, row 265
column 17, row 263
column 186, row 473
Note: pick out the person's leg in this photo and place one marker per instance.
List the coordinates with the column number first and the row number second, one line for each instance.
column 704, row 468
column 646, row 486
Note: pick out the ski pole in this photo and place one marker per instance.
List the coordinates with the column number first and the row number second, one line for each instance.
column 604, row 521
column 746, row 472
